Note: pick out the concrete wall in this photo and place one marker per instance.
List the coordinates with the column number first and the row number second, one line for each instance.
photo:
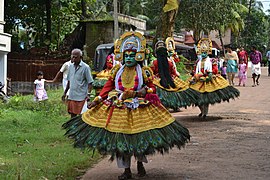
column 102, row 32
column 97, row 33
column 226, row 38
column 5, row 42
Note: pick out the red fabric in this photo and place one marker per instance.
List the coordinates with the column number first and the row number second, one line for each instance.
column 243, row 55
column 214, row 68
column 75, row 107
column 109, row 86
column 110, row 115
column 154, row 68
column 176, row 58
column 153, row 98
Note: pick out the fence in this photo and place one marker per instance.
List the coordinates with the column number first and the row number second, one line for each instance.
column 23, row 73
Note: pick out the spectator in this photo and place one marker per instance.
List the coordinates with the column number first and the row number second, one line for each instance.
column 256, row 59
column 242, row 73
column 79, row 83
column 64, row 70
column 231, row 58
column 40, row 93
column 268, row 57
column 223, row 70
column 242, row 54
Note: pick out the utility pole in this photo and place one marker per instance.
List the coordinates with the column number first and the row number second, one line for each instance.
column 115, row 17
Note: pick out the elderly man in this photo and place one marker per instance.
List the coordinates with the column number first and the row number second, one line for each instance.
column 79, row 83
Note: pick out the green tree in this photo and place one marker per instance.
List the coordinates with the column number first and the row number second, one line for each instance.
column 51, row 19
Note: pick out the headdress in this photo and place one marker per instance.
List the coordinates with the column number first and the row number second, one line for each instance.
column 130, row 41
column 204, row 46
column 168, row 46
column 159, row 44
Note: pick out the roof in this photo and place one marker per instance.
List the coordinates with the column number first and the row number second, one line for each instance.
column 216, row 45
column 189, row 39
column 182, row 46
column 105, row 46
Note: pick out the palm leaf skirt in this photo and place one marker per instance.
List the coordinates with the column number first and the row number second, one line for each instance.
column 180, row 96
column 129, row 132
column 175, row 100
column 215, row 91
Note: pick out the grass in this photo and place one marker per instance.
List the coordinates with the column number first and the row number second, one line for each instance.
column 32, row 142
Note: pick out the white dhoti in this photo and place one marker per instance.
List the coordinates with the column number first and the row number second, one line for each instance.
column 256, row 69
column 125, row 162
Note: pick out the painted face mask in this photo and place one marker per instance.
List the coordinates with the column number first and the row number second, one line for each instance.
column 130, row 58
column 204, row 55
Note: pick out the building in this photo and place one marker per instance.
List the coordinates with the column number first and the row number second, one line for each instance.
column 5, row 42
column 102, row 31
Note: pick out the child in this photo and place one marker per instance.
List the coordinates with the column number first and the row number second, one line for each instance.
column 223, row 70
column 242, row 74
column 40, row 93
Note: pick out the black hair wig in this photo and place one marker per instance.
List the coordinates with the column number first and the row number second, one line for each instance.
column 163, row 68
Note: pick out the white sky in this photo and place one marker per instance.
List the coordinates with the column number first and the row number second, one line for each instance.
column 266, row 4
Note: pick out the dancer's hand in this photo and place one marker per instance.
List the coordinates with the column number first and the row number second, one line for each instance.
column 141, row 92
column 92, row 104
column 128, row 94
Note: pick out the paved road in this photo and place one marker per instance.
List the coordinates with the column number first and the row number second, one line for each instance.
column 232, row 143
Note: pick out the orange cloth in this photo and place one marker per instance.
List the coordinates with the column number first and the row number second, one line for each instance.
column 75, row 107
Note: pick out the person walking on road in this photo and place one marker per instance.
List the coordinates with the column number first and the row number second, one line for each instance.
column 79, row 83
column 127, row 118
column 268, row 58
column 256, row 59
column 242, row 54
column 231, row 58
column 242, row 74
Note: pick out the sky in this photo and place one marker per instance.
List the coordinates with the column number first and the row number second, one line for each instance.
column 266, row 4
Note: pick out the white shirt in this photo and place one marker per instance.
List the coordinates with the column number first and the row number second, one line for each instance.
column 64, row 69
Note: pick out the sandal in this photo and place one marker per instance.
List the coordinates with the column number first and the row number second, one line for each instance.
column 126, row 175
column 257, row 83
column 254, row 85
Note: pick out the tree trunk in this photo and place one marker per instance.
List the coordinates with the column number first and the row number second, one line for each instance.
column 221, row 41
column 84, row 12
column 166, row 26
column 48, row 22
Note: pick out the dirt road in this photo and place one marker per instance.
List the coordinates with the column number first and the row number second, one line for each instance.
column 232, row 143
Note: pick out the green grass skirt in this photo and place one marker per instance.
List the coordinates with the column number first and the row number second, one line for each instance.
column 175, row 100
column 119, row 144
column 218, row 96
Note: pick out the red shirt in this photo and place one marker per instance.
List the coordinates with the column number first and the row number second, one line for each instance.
column 154, row 68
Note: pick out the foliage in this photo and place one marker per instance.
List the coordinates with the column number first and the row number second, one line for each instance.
column 242, row 17
column 256, row 31
column 31, row 16
column 208, row 15
column 32, row 143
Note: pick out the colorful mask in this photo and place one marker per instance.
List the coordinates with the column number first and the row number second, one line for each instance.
column 129, row 58
column 130, row 41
